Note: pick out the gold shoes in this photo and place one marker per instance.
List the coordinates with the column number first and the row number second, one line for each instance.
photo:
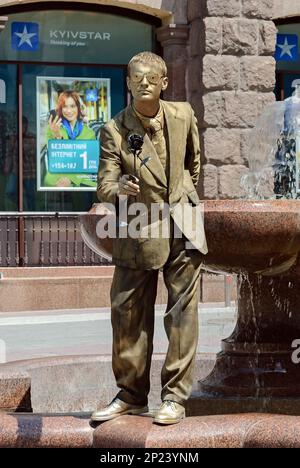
column 170, row 412
column 117, row 408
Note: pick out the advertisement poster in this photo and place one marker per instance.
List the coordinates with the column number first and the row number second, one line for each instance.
column 70, row 113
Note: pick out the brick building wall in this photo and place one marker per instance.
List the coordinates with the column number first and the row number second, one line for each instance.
column 286, row 8
column 231, row 77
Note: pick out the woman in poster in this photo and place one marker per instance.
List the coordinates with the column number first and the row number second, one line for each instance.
column 68, row 123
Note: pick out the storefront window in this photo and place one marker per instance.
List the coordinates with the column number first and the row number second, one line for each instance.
column 287, row 59
column 63, row 60
column 8, row 138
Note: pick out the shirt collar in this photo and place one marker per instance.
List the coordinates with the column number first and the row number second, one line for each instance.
column 157, row 122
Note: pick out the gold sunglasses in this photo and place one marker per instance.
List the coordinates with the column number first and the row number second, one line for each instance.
column 152, row 78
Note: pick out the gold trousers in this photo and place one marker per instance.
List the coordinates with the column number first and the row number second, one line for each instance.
column 133, row 295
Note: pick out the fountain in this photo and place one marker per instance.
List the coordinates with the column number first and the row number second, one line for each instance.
column 254, row 371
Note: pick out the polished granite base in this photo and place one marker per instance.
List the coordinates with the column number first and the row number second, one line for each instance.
column 64, row 421
column 223, row 431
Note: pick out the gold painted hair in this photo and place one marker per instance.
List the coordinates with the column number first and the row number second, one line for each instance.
column 148, row 58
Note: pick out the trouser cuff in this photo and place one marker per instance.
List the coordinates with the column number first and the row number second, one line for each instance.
column 131, row 400
column 172, row 397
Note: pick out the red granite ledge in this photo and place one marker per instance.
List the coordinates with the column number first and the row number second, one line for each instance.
column 15, row 391
column 101, row 271
column 224, row 431
column 259, row 206
column 25, row 430
column 123, row 432
column 279, row 432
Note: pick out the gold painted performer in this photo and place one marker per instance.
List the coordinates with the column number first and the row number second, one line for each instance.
column 170, row 176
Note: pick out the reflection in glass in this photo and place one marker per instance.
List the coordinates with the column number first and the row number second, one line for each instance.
column 8, row 139
column 11, row 164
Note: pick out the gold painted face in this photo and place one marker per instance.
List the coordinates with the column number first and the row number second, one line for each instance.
column 146, row 82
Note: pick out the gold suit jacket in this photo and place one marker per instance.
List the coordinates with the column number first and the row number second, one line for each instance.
column 184, row 163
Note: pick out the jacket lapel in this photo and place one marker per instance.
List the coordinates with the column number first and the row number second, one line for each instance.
column 175, row 126
column 133, row 125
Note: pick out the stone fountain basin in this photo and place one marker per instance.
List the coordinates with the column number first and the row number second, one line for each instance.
column 252, row 236
column 88, row 230
column 242, row 235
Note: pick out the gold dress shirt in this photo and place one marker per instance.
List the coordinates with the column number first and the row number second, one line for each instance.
column 157, row 132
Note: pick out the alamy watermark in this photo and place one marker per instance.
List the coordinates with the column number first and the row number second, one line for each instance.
column 139, row 221
column 296, row 353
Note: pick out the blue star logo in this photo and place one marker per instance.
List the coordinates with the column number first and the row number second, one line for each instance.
column 91, row 95
column 25, row 36
column 287, row 47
